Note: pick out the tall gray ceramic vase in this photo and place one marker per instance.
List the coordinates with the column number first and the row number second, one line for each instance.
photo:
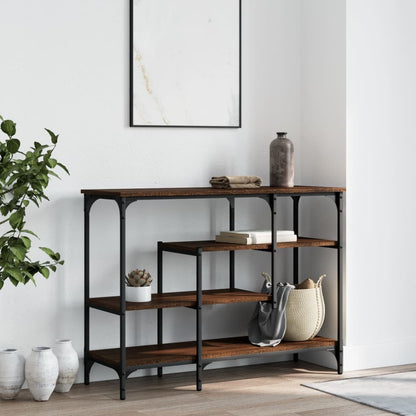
column 282, row 172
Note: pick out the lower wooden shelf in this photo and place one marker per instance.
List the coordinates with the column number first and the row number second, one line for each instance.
column 214, row 349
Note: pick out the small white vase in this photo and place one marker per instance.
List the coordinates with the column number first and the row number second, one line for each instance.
column 12, row 373
column 138, row 293
column 41, row 373
column 68, row 365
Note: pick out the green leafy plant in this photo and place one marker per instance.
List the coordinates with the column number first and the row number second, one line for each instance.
column 24, row 176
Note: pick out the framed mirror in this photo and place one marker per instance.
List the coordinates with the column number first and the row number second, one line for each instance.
column 185, row 63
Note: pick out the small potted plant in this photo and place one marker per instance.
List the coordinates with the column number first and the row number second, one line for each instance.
column 138, row 286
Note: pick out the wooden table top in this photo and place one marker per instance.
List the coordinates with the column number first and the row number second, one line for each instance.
column 209, row 192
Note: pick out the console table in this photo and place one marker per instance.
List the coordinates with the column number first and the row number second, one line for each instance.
column 125, row 360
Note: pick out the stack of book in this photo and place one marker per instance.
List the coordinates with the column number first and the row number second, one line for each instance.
column 255, row 236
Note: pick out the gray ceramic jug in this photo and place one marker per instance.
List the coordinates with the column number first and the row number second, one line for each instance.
column 282, row 170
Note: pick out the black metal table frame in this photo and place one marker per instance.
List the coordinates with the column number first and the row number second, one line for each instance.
column 271, row 198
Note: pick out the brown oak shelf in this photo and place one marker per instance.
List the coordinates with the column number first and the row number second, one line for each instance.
column 191, row 247
column 155, row 193
column 178, row 299
column 185, row 352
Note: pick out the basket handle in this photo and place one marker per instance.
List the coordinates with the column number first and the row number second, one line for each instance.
column 267, row 277
column 319, row 282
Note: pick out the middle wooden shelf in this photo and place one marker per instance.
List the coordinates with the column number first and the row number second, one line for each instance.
column 179, row 299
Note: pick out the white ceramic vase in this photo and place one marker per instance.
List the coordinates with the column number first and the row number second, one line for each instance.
column 68, row 365
column 12, row 373
column 41, row 373
column 138, row 293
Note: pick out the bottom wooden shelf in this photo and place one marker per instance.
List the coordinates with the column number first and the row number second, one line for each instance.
column 185, row 352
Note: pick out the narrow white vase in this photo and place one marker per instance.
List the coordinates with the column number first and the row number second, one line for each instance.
column 138, row 293
column 12, row 373
column 41, row 373
column 68, row 365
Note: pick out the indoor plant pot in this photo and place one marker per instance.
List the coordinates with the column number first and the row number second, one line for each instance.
column 68, row 365
column 138, row 293
column 138, row 287
column 41, row 373
column 12, row 373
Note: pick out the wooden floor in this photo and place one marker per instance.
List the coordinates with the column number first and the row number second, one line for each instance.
column 264, row 390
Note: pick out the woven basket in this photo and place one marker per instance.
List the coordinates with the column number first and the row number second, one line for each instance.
column 305, row 313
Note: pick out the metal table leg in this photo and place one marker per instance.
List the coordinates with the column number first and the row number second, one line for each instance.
column 199, row 320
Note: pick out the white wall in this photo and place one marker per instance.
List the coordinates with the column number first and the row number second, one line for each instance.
column 65, row 66
column 322, row 139
column 323, row 93
column 381, row 102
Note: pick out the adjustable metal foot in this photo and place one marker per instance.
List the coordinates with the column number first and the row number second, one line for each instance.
column 87, row 369
column 123, row 379
column 340, row 361
column 339, row 356
column 199, row 377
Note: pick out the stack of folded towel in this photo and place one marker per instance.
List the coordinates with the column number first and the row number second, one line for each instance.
column 228, row 182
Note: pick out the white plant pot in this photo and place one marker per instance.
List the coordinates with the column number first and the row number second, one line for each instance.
column 41, row 373
column 12, row 373
column 138, row 294
column 68, row 365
